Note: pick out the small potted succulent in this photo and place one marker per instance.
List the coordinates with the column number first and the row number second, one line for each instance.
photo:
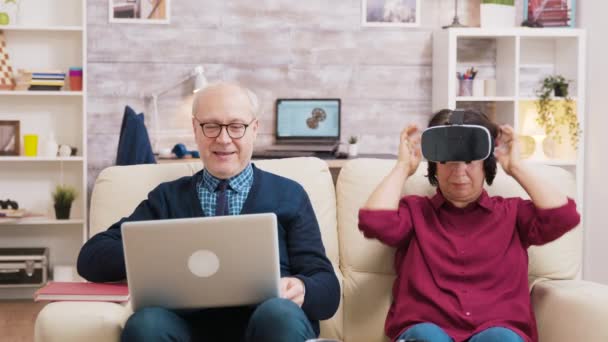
column 63, row 196
column 551, row 87
column 353, row 146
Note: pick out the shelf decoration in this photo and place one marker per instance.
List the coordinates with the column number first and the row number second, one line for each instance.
column 6, row 71
column 497, row 13
column 63, row 196
column 549, row 116
column 10, row 138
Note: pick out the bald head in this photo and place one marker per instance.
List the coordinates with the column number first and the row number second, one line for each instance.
column 224, row 91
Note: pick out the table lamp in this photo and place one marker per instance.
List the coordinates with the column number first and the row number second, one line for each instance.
column 200, row 82
column 530, row 127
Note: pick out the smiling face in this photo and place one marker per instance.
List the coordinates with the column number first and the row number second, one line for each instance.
column 224, row 103
column 461, row 183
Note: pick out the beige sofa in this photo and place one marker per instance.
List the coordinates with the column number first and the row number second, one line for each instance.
column 566, row 309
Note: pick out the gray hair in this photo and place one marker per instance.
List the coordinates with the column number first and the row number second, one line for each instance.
column 253, row 98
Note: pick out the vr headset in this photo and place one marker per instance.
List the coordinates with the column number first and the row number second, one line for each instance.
column 456, row 142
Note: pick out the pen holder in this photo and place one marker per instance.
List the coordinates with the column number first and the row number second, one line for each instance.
column 465, row 87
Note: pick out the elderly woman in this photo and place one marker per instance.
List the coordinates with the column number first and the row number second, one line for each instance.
column 461, row 260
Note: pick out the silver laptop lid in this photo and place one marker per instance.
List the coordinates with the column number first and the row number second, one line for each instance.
column 202, row 262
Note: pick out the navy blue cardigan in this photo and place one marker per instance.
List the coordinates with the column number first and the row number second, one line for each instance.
column 302, row 253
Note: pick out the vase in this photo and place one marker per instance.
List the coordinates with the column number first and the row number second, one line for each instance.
column 495, row 15
column 561, row 91
column 62, row 212
column 353, row 150
column 8, row 13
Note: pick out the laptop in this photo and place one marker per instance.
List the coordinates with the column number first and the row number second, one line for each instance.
column 308, row 125
column 202, row 262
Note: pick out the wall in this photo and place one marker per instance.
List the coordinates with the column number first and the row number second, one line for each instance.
column 592, row 16
column 279, row 48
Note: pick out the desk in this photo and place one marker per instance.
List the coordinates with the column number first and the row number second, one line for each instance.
column 335, row 164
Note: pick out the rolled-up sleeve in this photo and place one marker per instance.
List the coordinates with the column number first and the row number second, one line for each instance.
column 391, row 227
column 538, row 226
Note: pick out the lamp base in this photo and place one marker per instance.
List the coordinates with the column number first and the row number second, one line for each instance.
column 539, row 153
column 455, row 23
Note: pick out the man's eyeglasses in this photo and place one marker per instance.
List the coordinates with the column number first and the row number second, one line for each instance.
column 235, row 130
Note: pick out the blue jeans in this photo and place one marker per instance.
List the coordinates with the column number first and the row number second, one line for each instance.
column 274, row 320
column 429, row 332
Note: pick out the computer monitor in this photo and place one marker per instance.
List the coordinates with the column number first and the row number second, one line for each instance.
column 308, row 121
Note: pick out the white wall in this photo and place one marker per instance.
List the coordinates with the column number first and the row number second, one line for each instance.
column 592, row 16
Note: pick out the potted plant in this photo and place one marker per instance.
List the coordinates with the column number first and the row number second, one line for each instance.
column 353, row 149
column 63, row 196
column 497, row 13
column 8, row 11
column 547, row 107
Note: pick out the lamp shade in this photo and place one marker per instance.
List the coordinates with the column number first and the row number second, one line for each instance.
column 530, row 126
column 200, row 81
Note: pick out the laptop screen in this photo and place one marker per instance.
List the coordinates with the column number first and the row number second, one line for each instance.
column 308, row 120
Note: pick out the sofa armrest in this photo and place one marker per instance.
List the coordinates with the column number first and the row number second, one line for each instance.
column 571, row 310
column 81, row 321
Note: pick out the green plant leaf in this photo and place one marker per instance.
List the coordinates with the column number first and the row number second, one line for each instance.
column 64, row 195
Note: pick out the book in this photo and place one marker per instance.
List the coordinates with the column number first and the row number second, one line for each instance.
column 78, row 291
column 44, row 87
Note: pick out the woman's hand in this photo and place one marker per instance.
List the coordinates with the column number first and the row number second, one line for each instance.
column 409, row 149
column 506, row 150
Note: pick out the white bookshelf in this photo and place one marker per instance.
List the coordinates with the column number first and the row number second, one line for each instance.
column 47, row 35
column 518, row 59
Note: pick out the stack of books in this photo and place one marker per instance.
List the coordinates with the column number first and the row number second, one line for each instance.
column 78, row 291
column 40, row 80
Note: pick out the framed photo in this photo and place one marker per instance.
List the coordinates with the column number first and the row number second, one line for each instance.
column 9, row 138
column 390, row 13
column 550, row 13
column 140, row 11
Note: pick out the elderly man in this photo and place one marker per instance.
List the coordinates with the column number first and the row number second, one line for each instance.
column 225, row 127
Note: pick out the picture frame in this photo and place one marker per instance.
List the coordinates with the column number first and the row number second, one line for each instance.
column 139, row 11
column 10, row 138
column 390, row 13
column 547, row 13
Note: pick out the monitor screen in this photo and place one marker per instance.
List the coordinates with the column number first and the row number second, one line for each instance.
column 308, row 119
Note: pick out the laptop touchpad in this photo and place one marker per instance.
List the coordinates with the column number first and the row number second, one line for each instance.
column 203, row 263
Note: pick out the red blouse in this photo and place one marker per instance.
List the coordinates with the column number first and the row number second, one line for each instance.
column 464, row 269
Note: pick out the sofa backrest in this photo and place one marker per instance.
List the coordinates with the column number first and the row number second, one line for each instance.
column 119, row 189
column 367, row 265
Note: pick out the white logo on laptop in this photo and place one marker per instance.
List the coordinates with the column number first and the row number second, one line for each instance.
column 203, row 263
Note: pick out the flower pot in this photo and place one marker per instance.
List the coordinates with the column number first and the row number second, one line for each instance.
column 353, row 150
column 62, row 212
column 495, row 15
column 561, row 91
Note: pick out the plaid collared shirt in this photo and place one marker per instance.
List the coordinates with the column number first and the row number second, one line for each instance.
column 238, row 189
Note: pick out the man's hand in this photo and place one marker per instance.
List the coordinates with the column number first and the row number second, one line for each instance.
column 409, row 148
column 292, row 289
column 507, row 149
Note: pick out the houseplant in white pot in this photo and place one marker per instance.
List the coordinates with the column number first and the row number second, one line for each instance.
column 353, row 146
column 497, row 13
